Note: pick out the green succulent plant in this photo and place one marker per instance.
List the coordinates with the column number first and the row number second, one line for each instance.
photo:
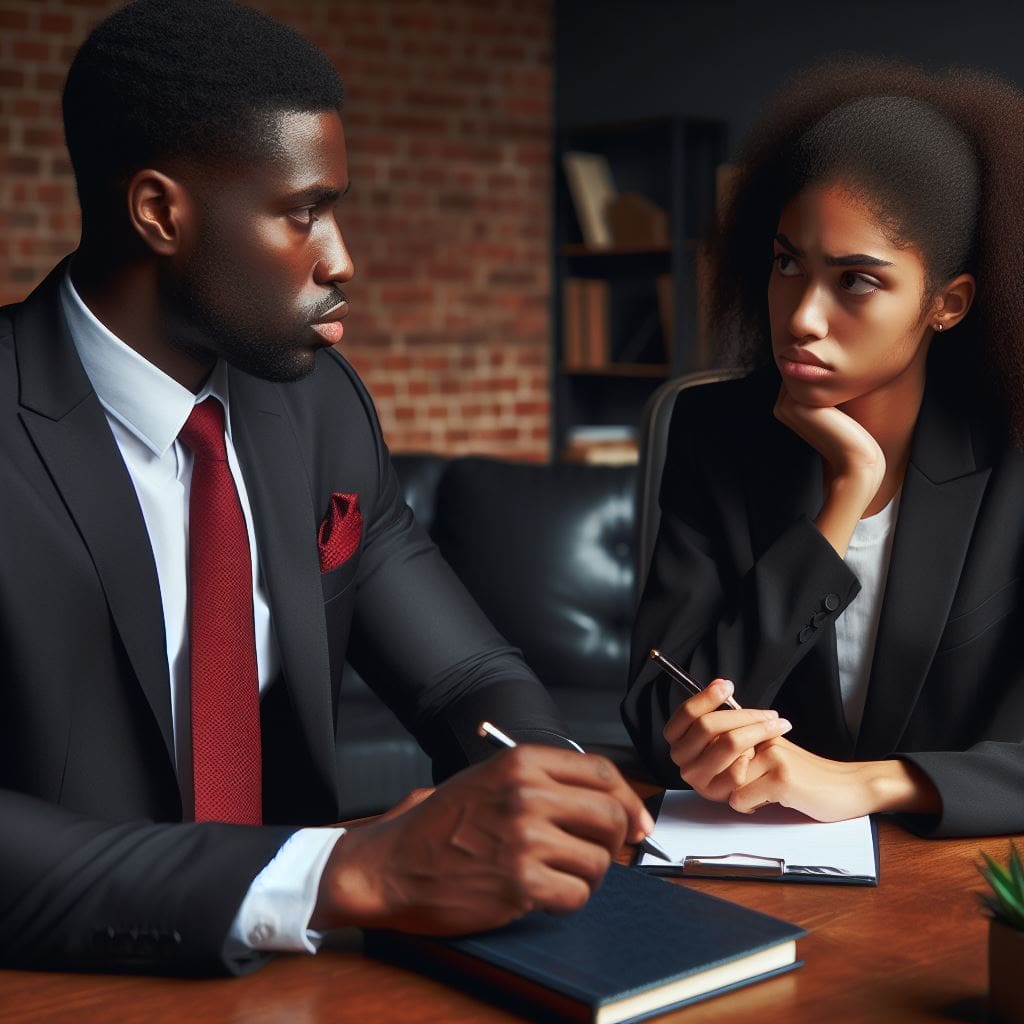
column 1006, row 900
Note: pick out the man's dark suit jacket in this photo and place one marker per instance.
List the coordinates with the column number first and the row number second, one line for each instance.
column 744, row 586
column 87, row 875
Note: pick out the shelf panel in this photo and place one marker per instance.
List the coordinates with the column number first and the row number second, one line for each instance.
column 619, row 370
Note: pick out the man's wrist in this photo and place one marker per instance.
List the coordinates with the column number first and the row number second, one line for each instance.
column 349, row 896
column 276, row 912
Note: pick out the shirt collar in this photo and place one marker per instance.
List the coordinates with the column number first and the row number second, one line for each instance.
column 146, row 401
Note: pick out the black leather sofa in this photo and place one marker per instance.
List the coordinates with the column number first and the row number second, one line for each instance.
column 549, row 553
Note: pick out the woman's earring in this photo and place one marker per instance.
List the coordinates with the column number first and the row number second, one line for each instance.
column 938, row 327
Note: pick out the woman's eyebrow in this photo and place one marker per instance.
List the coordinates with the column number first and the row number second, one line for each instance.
column 857, row 259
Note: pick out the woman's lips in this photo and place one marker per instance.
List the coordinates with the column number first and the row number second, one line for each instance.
column 802, row 365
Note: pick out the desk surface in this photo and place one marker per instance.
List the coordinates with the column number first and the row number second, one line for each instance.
column 912, row 949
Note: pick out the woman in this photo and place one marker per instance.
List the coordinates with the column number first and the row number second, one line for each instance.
column 842, row 534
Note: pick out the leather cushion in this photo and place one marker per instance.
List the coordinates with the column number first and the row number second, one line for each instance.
column 547, row 551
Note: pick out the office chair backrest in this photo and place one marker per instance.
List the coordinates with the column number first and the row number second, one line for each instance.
column 653, row 441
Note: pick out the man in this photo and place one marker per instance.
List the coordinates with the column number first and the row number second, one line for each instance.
column 201, row 522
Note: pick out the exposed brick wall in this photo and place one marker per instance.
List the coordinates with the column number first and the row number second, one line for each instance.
column 448, row 119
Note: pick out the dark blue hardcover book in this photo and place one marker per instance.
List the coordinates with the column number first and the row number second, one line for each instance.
column 641, row 946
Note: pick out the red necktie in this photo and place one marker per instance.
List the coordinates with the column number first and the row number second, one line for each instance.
column 225, row 683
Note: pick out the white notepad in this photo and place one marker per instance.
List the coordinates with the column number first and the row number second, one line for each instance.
column 711, row 839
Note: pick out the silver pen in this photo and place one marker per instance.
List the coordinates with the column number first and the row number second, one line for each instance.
column 501, row 739
column 681, row 677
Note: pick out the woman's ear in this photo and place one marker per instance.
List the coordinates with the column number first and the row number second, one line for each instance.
column 160, row 210
column 953, row 302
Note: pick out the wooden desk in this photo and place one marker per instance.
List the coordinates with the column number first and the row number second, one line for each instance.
column 912, row 949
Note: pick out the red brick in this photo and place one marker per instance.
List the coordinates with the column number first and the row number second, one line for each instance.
column 50, row 81
column 42, row 138
column 22, row 164
column 11, row 19
column 29, row 50
column 56, row 23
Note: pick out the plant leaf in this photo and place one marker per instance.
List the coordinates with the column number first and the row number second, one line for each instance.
column 1016, row 870
column 994, row 870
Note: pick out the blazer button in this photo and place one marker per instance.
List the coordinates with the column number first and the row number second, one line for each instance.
column 818, row 619
column 807, row 633
column 831, row 602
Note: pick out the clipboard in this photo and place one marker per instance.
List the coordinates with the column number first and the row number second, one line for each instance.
column 727, row 862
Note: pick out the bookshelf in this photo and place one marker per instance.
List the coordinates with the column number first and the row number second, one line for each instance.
column 624, row 311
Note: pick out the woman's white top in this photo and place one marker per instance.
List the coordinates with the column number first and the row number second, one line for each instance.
column 857, row 627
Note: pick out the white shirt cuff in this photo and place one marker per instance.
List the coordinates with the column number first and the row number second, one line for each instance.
column 274, row 916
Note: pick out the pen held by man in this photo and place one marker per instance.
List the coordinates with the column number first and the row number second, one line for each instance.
column 494, row 735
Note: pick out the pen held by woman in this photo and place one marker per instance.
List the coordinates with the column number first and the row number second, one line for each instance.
column 676, row 673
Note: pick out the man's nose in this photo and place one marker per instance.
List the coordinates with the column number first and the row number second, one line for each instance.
column 334, row 264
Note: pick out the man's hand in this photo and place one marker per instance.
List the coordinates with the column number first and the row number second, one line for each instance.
column 713, row 748
column 532, row 828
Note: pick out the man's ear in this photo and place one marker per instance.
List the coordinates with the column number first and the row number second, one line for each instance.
column 161, row 210
column 953, row 302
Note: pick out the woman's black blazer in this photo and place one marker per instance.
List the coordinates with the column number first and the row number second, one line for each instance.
column 743, row 585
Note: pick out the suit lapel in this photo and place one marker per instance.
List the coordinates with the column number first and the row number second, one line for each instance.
column 785, row 475
column 942, row 492
column 276, row 479
column 69, row 429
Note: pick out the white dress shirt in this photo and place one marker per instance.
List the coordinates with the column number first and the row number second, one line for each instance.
column 146, row 410
column 857, row 627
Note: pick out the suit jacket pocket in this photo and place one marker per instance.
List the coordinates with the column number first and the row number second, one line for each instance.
column 969, row 626
column 337, row 581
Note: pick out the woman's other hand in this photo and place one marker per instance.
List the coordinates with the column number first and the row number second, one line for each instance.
column 780, row 772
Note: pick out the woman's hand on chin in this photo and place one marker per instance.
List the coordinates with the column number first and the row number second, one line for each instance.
column 854, row 461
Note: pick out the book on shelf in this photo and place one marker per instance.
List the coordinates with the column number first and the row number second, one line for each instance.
column 574, row 313
column 602, row 445
column 592, row 189
column 598, row 347
column 639, row 947
column 637, row 223
column 586, row 343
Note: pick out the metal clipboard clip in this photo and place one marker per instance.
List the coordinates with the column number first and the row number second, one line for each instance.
column 750, row 865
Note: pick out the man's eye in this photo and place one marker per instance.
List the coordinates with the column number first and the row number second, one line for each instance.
column 305, row 215
column 858, row 284
column 787, row 266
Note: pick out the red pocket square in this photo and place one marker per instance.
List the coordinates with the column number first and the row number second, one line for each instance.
column 339, row 533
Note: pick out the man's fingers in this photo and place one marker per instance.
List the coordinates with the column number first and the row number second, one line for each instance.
column 589, row 772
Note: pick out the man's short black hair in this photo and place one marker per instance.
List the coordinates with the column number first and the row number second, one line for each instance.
column 196, row 80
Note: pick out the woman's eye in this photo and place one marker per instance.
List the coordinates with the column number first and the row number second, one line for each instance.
column 787, row 266
column 857, row 284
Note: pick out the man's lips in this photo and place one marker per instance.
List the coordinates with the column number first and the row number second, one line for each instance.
column 329, row 326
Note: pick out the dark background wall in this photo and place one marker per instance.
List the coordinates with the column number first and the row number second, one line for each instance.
column 623, row 59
